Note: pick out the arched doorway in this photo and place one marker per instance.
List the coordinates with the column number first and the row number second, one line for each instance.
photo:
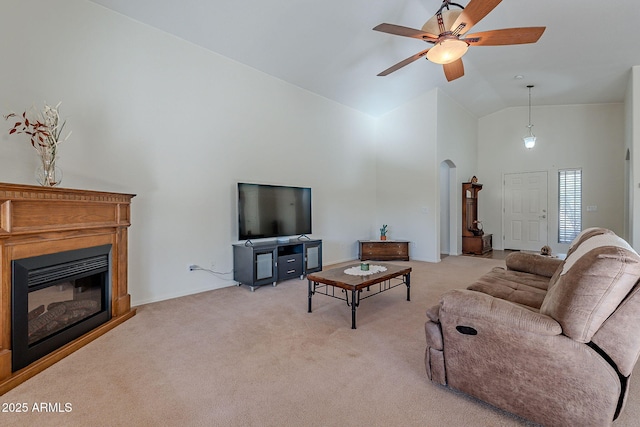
column 449, row 242
column 628, row 197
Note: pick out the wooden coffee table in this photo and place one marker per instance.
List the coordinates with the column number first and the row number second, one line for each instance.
column 329, row 280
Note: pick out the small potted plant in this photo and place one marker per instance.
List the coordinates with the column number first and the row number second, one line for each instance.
column 383, row 232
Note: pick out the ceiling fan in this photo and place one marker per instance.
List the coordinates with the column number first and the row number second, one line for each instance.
column 449, row 45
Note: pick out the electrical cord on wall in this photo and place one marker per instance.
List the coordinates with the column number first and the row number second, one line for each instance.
column 194, row 267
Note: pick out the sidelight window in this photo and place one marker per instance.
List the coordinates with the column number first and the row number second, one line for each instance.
column 570, row 204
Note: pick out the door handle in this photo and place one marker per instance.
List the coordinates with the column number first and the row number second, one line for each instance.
column 543, row 216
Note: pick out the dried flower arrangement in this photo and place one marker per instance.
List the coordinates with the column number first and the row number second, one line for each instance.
column 45, row 130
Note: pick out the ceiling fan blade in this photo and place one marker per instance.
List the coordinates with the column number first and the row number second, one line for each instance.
column 453, row 70
column 403, row 63
column 505, row 36
column 472, row 14
column 399, row 30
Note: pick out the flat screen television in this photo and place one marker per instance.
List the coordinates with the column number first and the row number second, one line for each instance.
column 273, row 211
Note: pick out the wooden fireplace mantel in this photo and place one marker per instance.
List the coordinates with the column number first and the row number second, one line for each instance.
column 41, row 220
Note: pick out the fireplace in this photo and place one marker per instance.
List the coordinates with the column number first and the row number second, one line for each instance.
column 56, row 299
column 68, row 251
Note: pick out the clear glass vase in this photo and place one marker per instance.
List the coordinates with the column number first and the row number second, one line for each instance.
column 47, row 173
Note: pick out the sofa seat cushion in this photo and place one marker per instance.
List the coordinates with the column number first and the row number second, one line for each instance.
column 594, row 279
column 519, row 277
column 514, row 286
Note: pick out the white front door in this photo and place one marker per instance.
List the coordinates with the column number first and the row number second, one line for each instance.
column 525, row 211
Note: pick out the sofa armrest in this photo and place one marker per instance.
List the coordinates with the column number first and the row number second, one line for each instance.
column 532, row 263
column 476, row 305
column 518, row 360
column 433, row 313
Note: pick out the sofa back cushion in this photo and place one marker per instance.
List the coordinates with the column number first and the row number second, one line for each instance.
column 593, row 281
column 586, row 234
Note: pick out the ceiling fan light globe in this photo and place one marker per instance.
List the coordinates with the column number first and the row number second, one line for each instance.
column 447, row 51
column 448, row 18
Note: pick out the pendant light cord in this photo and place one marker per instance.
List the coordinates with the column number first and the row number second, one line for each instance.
column 530, row 125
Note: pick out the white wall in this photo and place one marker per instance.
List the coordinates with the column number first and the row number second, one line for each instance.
column 407, row 175
column 412, row 142
column 177, row 125
column 457, row 144
column 590, row 137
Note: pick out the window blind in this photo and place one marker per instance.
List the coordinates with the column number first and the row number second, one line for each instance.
column 570, row 204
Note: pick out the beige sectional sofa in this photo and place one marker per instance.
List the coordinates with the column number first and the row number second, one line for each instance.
column 553, row 341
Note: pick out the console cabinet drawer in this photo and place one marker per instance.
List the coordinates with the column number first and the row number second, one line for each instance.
column 289, row 266
column 384, row 250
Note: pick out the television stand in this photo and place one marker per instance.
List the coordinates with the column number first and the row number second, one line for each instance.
column 271, row 262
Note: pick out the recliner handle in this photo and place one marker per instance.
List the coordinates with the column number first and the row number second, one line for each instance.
column 466, row 330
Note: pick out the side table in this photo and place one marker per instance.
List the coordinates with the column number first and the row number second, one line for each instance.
column 384, row 250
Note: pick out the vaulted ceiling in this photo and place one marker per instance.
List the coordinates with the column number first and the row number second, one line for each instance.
column 328, row 47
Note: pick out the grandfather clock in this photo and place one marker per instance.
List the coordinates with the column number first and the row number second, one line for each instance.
column 474, row 240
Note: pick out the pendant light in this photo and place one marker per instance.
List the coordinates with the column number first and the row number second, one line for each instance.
column 530, row 140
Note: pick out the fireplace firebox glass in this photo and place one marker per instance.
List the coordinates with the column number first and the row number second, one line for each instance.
column 56, row 299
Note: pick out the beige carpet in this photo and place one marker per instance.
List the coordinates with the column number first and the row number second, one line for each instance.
column 231, row 357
